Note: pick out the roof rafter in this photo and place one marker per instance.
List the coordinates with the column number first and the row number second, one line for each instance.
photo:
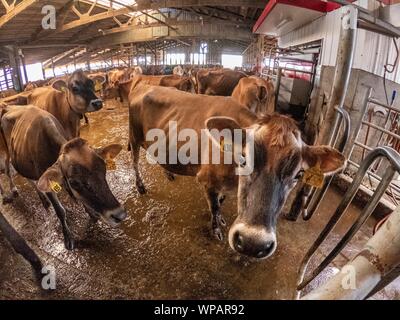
column 87, row 18
column 14, row 10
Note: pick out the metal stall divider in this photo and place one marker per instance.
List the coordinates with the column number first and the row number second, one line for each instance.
column 394, row 166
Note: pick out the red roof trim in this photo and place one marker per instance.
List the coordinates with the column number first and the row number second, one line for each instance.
column 315, row 5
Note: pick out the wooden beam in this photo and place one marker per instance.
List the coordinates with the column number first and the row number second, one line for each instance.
column 16, row 10
column 124, row 28
column 187, row 30
column 85, row 19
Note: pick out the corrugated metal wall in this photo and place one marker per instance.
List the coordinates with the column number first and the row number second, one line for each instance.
column 373, row 50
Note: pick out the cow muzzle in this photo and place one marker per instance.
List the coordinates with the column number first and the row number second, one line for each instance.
column 114, row 217
column 95, row 105
column 252, row 241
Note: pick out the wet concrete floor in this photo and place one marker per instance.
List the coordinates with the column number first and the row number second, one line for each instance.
column 164, row 250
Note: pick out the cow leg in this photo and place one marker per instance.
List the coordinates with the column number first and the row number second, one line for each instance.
column 13, row 188
column 299, row 203
column 20, row 245
column 170, row 176
column 217, row 222
column 86, row 119
column 61, row 214
column 42, row 196
column 9, row 197
column 94, row 217
column 135, row 149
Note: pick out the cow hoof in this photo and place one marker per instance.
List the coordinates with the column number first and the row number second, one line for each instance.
column 141, row 189
column 69, row 244
column 218, row 234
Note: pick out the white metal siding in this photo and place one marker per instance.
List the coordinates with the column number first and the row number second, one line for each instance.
column 371, row 52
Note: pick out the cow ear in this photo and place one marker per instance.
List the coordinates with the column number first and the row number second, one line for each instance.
column 109, row 152
column 217, row 125
column 60, row 85
column 327, row 158
column 51, row 180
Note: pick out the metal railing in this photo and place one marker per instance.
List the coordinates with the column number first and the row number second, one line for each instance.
column 386, row 134
column 393, row 158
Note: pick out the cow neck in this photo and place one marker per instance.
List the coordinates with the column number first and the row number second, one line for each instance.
column 71, row 120
column 67, row 184
column 125, row 89
column 80, row 115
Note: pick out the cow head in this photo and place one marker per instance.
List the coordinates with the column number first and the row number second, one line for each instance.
column 187, row 85
column 279, row 160
column 100, row 82
column 256, row 93
column 81, row 170
column 80, row 92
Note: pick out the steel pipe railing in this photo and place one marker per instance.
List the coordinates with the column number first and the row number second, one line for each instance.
column 394, row 165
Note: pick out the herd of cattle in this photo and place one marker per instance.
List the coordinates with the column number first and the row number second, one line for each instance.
column 40, row 139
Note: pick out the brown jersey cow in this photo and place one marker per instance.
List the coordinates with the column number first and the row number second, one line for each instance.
column 40, row 150
column 269, row 162
column 217, row 83
column 67, row 101
column 256, row 93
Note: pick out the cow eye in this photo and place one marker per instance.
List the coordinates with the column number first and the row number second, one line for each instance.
column 75, row 89
column 299, row 175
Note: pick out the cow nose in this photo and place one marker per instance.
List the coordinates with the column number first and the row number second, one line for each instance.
column 119, row 215
column 97, row 104
column 253, row 246
column 265, row 249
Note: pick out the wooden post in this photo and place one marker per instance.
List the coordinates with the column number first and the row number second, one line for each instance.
column 43, row 72
column 21, row 56
column 52, row 66
column 145, row 56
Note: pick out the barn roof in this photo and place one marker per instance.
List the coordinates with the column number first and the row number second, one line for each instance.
column 88, row 27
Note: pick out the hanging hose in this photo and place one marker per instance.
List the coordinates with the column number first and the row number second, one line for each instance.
column 389, row 69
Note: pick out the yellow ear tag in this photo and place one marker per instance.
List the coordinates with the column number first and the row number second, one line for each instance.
column 314, row 177
column 225, row 147
column 55, row 186
column 98, row 86
column 63, row 89
column 111, row 165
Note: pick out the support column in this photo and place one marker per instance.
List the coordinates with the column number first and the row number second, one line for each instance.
column 16, row 71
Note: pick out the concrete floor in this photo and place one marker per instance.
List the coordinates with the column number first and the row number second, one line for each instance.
column 164, row 249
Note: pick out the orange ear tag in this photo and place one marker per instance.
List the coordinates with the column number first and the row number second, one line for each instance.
column 111, row 165
column 314, row 177
column 55, row 186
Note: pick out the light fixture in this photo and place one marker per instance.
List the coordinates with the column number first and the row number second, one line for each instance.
column 284, row 22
